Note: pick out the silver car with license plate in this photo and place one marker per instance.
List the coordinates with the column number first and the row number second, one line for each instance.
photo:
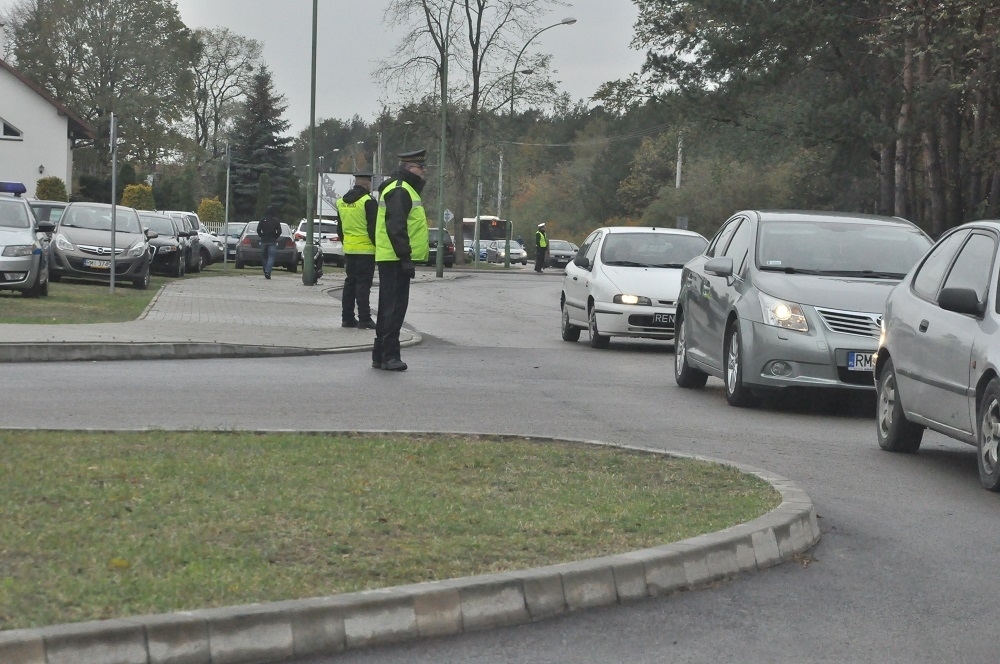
column 24, row 263
column 938, row 363
column 624, row 282
column 790, row 299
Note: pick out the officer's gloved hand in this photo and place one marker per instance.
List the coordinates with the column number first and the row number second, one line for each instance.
column 408, row 269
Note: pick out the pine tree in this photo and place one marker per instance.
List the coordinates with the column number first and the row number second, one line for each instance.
column 260, row 147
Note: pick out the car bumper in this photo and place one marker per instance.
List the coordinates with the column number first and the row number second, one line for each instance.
column 629, row 320
column 773, row 357
column 72, row 265
column 19, row 272
column 281, row 256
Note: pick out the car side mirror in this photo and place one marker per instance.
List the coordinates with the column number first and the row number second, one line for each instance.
column 961, row 301
column 151, row 234
column 720, row 267
column 46, row 227
column 582, row 261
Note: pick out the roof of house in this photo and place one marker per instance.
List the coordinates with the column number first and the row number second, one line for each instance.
column 78, row 127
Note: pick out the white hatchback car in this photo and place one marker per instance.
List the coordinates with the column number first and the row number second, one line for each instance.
column 624, row 282
column 327, row 234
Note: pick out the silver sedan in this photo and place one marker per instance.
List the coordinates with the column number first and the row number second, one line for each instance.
column 790, row 299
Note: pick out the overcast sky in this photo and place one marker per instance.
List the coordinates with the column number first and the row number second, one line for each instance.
column 352, row 40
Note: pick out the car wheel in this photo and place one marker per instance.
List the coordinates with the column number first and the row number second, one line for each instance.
column 36, row 288
column 895, row 432
column 597, row 340
column 206, row 258
column 988, row 437
column 569, row 332
column 239, row 264
column 293, row 267
column 737, row 394
column 684, row 374
column 142, row 282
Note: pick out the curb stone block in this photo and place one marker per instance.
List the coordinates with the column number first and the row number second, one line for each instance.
column 746, row 559
column 439, row 613
column 379, row 616
column 696, row 570
column 179, row 638
column 496, row 600
column 543, row 593
column 722, row 561
column 21, row 647
column 765, row 548
column 589, row 584
column 630, row 579
column 664, row 569
column 252, row 634
column 318, row 628
column 106, row 641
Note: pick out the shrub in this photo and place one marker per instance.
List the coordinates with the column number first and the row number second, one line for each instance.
column 51, row 188
column 211, row 210
column 139, row 196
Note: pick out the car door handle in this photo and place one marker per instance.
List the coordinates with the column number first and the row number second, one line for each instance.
column 923, row 326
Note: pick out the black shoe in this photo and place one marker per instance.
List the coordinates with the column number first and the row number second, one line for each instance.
column 394, row 365
column 267, row 275
column 376, row 365
column 349, row 323
column 366, row 324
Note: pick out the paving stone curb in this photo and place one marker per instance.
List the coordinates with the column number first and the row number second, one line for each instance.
column 275, row 631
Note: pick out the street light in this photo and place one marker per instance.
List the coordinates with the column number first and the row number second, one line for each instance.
column 406, row 132
column 510, row 198
column 445, row 43
column 354, row 156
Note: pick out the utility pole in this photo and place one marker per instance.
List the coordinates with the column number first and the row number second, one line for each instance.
column 225, row 227
column 114, row 195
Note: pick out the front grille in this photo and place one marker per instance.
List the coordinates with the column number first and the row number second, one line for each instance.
column 852, row 322
column 99, row 251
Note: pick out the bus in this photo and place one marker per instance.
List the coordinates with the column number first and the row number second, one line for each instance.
column 490, row 228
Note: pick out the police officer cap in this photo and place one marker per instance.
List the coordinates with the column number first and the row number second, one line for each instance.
column 542, row 225
column 414, row 157
column 363, row 174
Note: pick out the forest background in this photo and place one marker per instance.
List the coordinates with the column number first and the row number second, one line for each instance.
column 889, row 107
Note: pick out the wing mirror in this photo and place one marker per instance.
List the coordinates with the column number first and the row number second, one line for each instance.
column 961, row 301
column 582, row 261
column 720, row 267
column 150, row 234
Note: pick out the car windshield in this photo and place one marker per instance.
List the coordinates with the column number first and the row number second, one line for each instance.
column 651, row 249
column 560, row 245
column 46, row 212
column 161, row 225
column 834, row 248
column 99, row 219
column 13, row 214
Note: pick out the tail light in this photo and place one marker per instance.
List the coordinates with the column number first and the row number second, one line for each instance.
column 287, row 242
column 246, row 241
column 300, row 235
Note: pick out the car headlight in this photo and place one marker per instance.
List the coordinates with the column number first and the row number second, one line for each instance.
column 136, row 250
column 633, row 299
column 15, row 250
column 62, row 244
column 167, row 248
column 786, row 315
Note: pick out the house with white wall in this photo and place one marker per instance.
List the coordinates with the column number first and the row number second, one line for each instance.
column 37, row 132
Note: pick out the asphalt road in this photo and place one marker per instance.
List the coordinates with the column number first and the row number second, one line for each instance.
column 900, row 575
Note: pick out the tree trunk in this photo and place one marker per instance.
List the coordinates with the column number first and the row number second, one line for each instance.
column 902, row 205
column 951, row 146
column 929, row 140
column 974, row 202
column 993, row 209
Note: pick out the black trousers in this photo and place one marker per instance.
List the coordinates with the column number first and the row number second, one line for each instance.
column 360, row 269
column 393, row 299
column 540, row 254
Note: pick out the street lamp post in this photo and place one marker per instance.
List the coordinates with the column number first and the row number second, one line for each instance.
column 308, row 271
column 354, row 156
column 510, row 198
column 445, row 43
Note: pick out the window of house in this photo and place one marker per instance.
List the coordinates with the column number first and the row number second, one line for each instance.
column 9, row 130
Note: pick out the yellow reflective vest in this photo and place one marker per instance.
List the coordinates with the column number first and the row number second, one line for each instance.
column 416, row 227
column 354, row 226
column 540, row 240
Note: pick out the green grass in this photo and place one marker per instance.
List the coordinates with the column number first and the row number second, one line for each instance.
column 102, row 525
column 71, row 301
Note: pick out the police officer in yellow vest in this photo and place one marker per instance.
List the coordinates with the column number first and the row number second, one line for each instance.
column 358, row 213
column 541, row 247
column 400, row 241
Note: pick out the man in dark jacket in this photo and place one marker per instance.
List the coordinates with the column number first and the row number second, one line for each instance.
column 358, row 212
column 400, row 241
column 269, row 231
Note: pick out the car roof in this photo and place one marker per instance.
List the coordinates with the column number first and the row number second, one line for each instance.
column 654, row 229
column 101, row 206
column 993, row 224
column 819, row 215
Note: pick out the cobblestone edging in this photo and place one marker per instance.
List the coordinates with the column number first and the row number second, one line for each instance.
column 271, row 632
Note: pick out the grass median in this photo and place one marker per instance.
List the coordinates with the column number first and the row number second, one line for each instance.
column 101, row 525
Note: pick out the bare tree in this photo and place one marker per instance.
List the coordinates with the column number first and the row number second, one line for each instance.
column 224, row 71
column 481, row 40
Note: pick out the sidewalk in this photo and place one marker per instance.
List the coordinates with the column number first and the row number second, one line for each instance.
column 233, row 316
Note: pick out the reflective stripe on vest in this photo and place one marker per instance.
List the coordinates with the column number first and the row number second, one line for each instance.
column 416, row 227
column 354, row 226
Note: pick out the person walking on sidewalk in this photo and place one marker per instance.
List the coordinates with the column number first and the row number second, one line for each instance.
column 541, row 247
column 358, row 213
column 269, row 231
column 401, row 239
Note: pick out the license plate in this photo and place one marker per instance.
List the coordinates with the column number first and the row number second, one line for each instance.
column 100, row 265
column 860, row 361
column 663, row 319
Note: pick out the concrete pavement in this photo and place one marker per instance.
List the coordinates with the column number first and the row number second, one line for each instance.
column 248, row 316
